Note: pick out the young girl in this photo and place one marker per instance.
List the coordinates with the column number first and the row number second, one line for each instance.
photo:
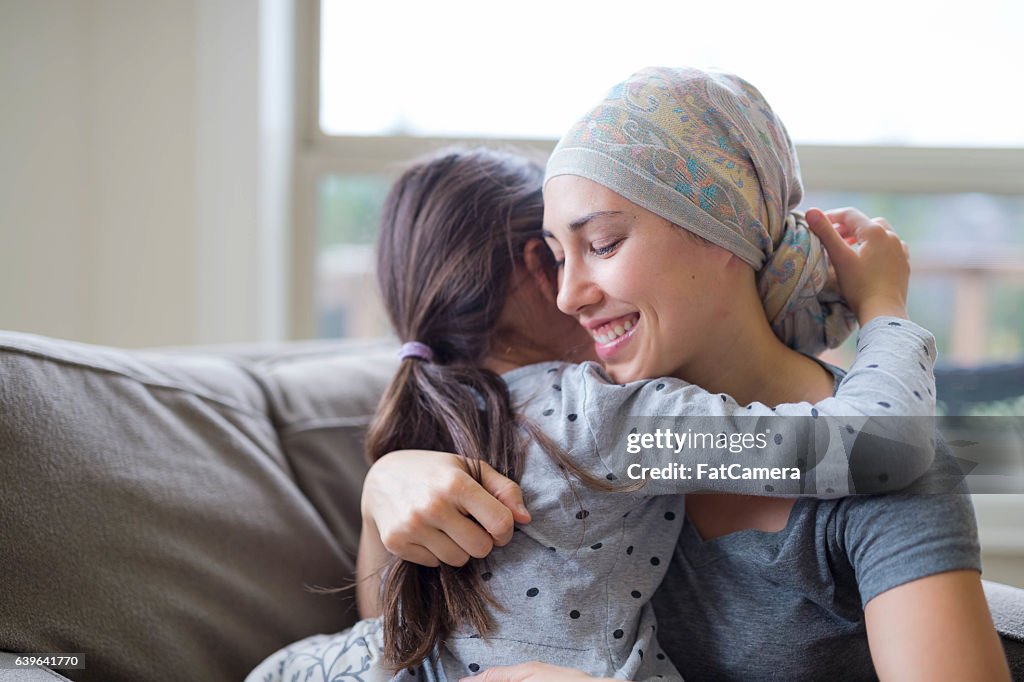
column 469, row 287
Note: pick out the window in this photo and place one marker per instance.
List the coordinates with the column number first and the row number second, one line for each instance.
column 348, row 210
column 967, row 282
column 911, row 72
column 385, row 84
column 904, row 109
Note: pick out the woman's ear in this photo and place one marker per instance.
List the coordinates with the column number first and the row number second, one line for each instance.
column 539, row 265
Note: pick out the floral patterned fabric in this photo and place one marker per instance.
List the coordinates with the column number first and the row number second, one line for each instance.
column 704, row 150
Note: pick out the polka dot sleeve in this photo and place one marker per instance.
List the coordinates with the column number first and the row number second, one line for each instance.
column 875, row 434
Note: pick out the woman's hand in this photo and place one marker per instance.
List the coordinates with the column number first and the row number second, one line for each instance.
column 874, row 276
column 534, row 671
column 429, row 510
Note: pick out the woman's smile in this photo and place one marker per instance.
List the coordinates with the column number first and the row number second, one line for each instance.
column 612, row 335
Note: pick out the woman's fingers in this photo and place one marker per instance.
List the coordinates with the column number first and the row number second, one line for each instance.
column 439, row 522
column 428, row 546
column 418, row 554
column 429, row 508
column 472, row 499
column 468, row 534
column 441, row 547
column 505, row 490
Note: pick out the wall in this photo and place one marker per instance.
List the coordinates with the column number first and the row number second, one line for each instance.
column 145, row 171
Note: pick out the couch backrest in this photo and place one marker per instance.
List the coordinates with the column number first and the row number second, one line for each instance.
column 164, row 513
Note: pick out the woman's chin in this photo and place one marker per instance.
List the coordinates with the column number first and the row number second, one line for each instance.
column 624, row 372
column 584, row 352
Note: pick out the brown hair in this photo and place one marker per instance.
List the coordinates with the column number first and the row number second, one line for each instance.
column 453, row 230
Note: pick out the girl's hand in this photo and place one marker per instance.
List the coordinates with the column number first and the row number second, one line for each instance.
column 534, row 671
column 871, row 261
column 429, row 510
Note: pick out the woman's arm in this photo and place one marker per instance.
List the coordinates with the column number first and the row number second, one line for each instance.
column 917, row 561
column 370, row 563
column 426, row 507
column 533, row 671
column 935, row 628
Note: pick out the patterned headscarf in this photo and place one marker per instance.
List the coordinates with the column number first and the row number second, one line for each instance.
column 703, row 150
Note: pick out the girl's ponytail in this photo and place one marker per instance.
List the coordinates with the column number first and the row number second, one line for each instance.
column 453, row 229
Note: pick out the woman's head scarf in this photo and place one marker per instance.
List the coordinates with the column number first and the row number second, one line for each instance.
column 703, row 150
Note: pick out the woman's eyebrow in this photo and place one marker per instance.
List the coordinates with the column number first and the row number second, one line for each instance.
column 583, row 220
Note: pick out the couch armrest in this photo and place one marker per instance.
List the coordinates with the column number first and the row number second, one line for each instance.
column 1007, row 606
column 148, row 498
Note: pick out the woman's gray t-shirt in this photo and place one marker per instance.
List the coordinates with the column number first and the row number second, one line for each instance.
column 755, row 605
column 575, row 584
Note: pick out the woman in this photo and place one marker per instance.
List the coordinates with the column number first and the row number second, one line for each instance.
column 446, row 260
column 614, row 183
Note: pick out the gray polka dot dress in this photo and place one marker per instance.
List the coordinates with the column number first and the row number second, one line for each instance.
column 575, row 584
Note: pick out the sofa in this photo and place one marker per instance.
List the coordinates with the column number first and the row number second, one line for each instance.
column 174, row 514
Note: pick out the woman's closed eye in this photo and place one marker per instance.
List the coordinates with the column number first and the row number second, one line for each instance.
column 597, row 250
column 605, row 249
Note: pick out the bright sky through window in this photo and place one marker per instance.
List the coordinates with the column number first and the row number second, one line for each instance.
column 894, row 72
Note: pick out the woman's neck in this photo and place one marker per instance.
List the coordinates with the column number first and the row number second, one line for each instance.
column 752, row 364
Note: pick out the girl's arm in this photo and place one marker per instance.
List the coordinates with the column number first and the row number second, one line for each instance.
column 877, row 431
column 935, row 628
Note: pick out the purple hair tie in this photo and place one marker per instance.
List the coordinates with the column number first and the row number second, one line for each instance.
column 415, row 349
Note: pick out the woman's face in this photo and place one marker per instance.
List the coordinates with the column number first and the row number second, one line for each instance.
column 648, row 292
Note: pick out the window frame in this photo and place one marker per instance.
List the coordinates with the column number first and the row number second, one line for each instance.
column 872, row 168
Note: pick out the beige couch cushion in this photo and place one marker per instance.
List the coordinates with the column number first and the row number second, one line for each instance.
column 163, row 513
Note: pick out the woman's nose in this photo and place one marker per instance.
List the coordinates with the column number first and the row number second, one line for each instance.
column 576, row 290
